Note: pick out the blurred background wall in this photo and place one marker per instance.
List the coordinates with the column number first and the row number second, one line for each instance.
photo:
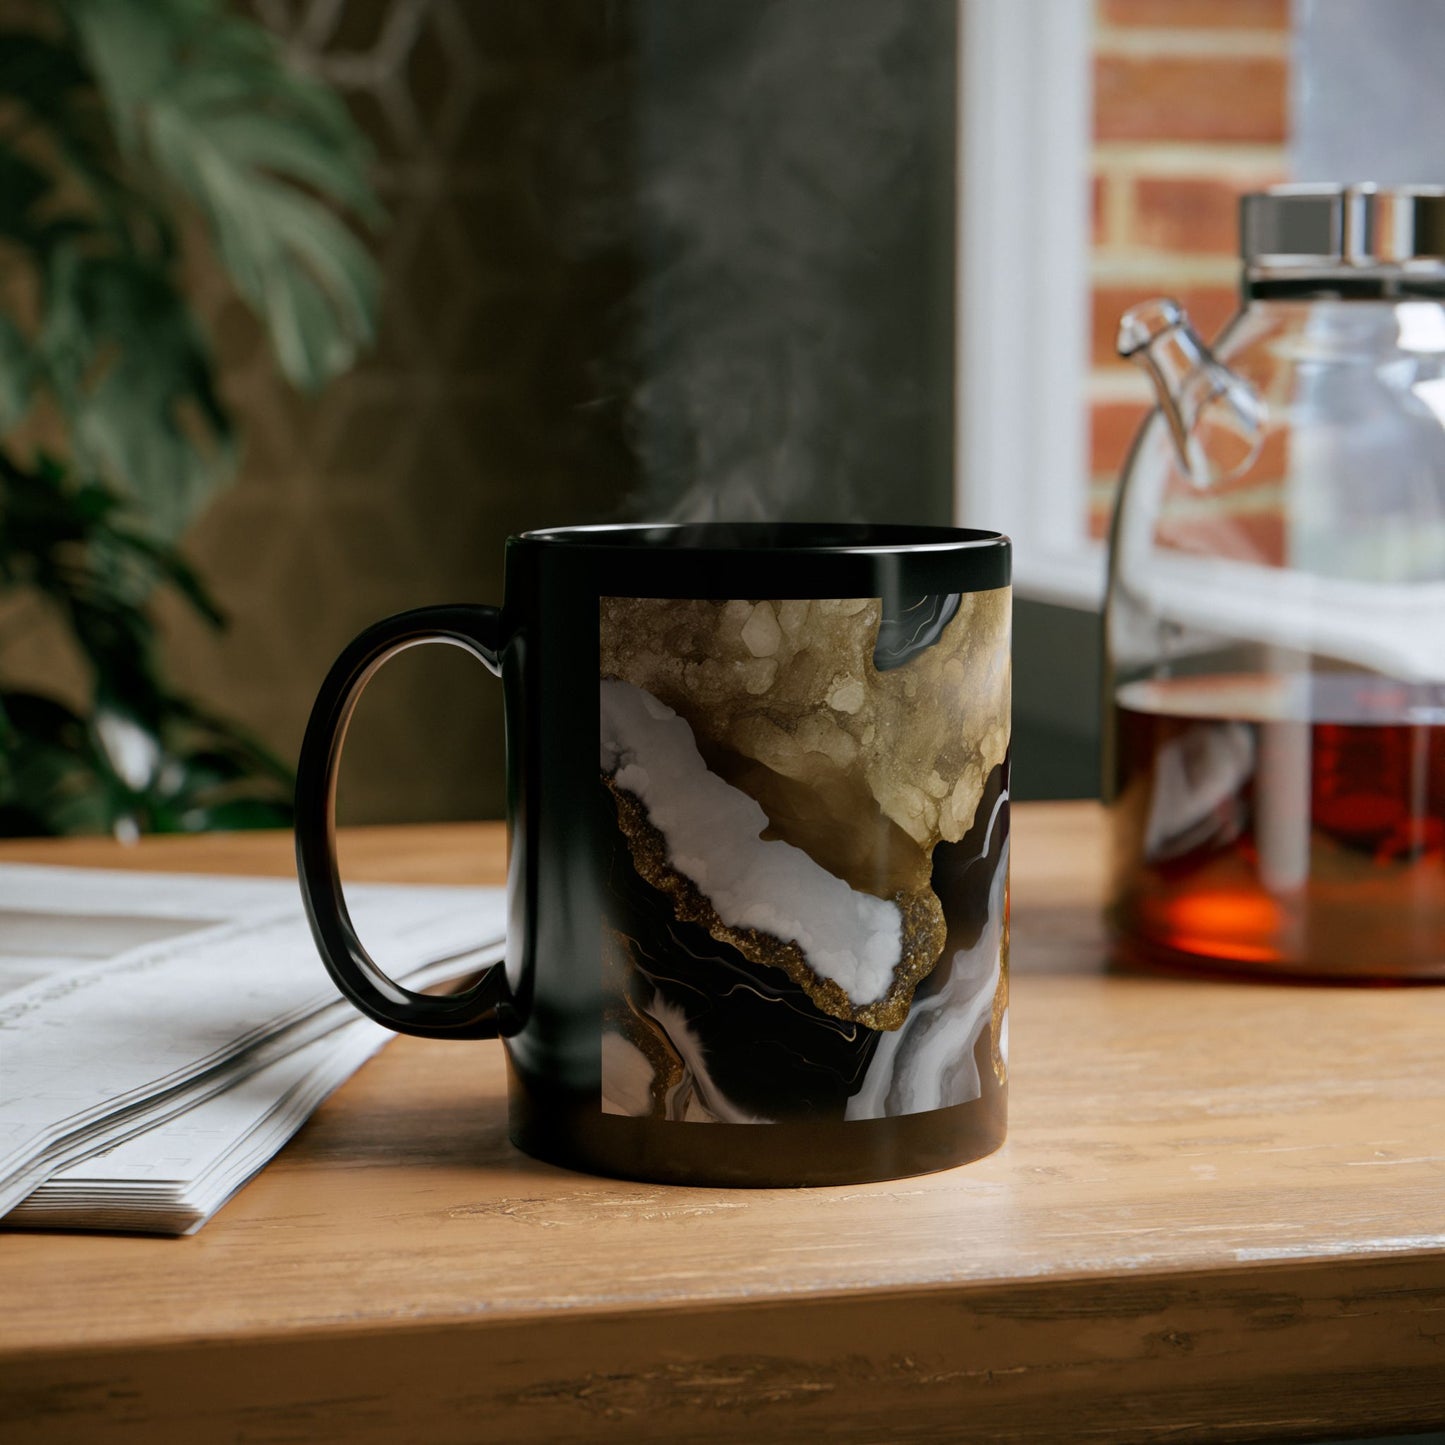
column 675, row 258
column 687, row 258
column 481, row 412
column 644, row 258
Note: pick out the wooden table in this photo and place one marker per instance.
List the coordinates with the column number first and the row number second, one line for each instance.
column 1220, row 1213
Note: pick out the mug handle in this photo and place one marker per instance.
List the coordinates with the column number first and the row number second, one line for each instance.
column 471, row 1014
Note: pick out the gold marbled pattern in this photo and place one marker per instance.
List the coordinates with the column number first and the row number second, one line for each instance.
column 1000, row 1001
column 924, row 929
column 865, row 771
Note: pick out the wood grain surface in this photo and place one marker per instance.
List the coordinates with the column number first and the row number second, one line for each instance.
column 1220, row 1214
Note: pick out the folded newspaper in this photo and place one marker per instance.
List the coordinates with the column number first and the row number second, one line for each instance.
column 161, row 1036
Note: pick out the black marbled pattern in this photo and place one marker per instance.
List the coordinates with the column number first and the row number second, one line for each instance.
column 930, row 1062
column 909, row 625
column 769, row 1052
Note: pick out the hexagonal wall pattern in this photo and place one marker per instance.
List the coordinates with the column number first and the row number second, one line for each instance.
column 473, row 418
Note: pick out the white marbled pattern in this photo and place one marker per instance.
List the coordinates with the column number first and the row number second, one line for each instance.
column 713, row 835
column 929, row 1062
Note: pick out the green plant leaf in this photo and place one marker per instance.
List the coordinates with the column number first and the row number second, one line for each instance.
column 169, row 566
column 38, row 72
column 49, row 783
column 112, row 117
column 74, row 547
column 22, row 186
column 265, row 153
column 235, row 814
column 242, row 747
column 54, row 95
column 134, row 377
column 60, row 773
column 17, row 371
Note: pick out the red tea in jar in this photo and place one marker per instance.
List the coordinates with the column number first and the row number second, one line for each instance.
column 1291, row 825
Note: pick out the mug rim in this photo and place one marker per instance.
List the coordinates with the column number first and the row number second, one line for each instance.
column 775, row 538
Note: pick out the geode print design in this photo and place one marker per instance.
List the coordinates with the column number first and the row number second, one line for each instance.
column 807, row 904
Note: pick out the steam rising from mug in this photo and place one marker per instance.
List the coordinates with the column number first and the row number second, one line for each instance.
column 789, row 336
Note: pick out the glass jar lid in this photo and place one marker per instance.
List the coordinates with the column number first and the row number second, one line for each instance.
column 1329, row 228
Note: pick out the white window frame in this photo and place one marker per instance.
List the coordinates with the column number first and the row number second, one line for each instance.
column 1025, row 120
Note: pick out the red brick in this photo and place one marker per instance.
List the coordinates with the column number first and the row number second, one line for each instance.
column 1209, row 307
column 1112, row 428
column 1244, row 536
column 1196, row 98
column 1188, row 214
column 1197, row 14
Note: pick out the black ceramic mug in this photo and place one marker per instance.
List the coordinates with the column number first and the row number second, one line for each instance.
column 758, row 876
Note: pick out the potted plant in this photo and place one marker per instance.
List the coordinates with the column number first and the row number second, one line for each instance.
column 129, row 129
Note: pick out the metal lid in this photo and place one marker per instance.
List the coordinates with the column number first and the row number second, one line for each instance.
column 1313, row 228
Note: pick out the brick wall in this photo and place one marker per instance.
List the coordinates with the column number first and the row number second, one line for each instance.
column 1190, row 110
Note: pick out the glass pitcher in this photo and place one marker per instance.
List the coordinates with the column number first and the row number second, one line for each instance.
column 1275, row 624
